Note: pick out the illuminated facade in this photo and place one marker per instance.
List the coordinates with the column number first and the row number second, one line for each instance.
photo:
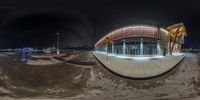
column 177, row 33
column 138, row 40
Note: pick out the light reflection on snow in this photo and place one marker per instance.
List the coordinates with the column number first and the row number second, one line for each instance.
column 131, row 57
column 177, row 54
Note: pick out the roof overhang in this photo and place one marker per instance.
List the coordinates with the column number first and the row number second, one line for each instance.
column 177, row 29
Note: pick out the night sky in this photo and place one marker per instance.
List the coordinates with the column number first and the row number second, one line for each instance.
column 34, row 23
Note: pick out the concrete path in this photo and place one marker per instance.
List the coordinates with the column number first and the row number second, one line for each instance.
column 135, row 67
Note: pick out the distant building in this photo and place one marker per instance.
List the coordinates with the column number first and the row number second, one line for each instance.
column 143, row 40
column 50, row 50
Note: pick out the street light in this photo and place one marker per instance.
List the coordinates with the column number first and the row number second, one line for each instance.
column 58, row 50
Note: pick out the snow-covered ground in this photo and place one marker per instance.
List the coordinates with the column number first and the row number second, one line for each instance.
column 178, row 86
column 97, row 83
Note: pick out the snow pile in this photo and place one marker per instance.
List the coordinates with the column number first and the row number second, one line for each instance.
column 42, row 62
column 2, row 55
column 10, row 53
column 71, row 56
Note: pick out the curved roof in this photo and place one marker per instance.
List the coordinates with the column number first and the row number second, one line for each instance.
column 130, row 31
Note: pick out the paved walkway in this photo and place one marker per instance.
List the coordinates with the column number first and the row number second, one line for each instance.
column 134, row 67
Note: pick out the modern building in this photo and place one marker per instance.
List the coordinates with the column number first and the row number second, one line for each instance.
column 143, row 40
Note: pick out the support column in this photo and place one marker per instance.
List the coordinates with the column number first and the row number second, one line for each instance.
column 124, row 47
column 158, row 47
column 170, row 45
column 141, row 46
column 106, row 48
column 113, row 47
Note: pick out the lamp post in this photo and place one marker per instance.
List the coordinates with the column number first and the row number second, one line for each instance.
column 58, row 50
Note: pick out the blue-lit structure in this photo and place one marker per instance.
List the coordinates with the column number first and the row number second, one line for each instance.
column 25, row 53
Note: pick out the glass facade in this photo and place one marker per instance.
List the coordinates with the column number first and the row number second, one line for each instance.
column 150, row 47
column 118, row 47
column 132, row 47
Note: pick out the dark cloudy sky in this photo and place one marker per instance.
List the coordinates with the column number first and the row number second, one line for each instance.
column 82, row 22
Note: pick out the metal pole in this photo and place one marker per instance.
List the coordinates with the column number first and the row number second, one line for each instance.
column 170, row 47
column 58, row 50
column 107, row 52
